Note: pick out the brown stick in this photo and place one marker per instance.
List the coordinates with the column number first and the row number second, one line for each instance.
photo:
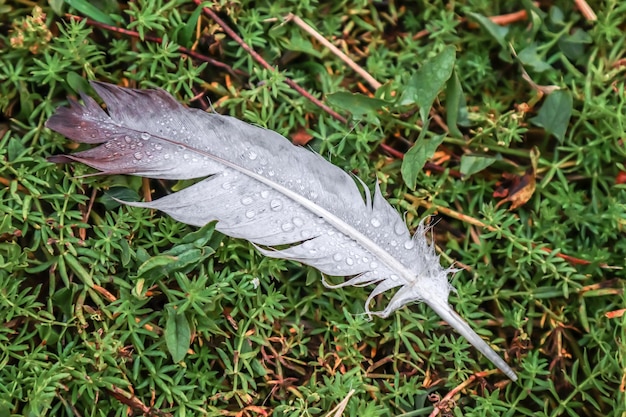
column 258, row 58
column 345, row 58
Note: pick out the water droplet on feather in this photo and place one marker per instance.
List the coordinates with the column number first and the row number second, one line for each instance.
column 409, row 244
column 287, row 227
column 276, row 205
column 246, row 201
column 250, row 214
column 145, row 136
column 138, row 155
column 375, row 222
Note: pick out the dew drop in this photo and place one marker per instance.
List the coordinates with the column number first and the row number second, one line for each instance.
column 349, row 261
column 287, row 227
column 252, row 155
column 374, row 265
column 158, row 147
column 313, row 195
column 108, row 145
column 265, row 194
column 305, row 234
column 393, row 277
column 227, row 185
column 271, row 173
column 186, row 156
column 399, row 228
column 246, row 201
column 337, row 257
column 128, row 139
column 138, row 155
column 297, row 221
column 250, row 214
column 365, row 259
column 145, row 136
column 166, row 156
column 375, row 222
column 409, row 244
column 393, row 243
column 276, row 205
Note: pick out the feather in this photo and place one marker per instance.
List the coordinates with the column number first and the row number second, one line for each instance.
column 288, row 201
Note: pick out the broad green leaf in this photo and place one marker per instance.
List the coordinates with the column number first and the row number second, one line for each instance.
column 429, row 80
column 91, row 11
column 555, row 113
column 416, row 157
column 573, row 46
column 177, row 334
column 456, row 108
column 471, row 164
column 496, row 31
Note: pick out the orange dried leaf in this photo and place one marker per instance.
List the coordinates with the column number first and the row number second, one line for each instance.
column 301, row 137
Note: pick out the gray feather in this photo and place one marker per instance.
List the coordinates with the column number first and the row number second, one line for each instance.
column 288, row 201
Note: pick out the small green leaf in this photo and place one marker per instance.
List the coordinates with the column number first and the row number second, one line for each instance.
column 555, row 113
column 120, row 193
column 77, row 82
column 360, row 106
column 530, row 58
column 429, row 80
column 456, row 107
column 91, row 11
column 416, row 157
column 186, row 34
column 154, row 262
column 471, row 164
column 78, row 269
column 16, row 148
column 177, row 334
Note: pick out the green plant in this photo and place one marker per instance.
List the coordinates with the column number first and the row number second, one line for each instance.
column 96, row 300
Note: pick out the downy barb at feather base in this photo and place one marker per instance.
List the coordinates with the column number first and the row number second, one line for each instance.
column 288, row 201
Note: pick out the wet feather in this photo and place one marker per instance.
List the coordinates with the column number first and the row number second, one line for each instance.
column 288, row 201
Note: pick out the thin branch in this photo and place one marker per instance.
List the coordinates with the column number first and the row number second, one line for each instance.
column 258, row 58
column 345, row 58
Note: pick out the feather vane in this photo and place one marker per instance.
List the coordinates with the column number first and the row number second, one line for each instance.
column 287, row 200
